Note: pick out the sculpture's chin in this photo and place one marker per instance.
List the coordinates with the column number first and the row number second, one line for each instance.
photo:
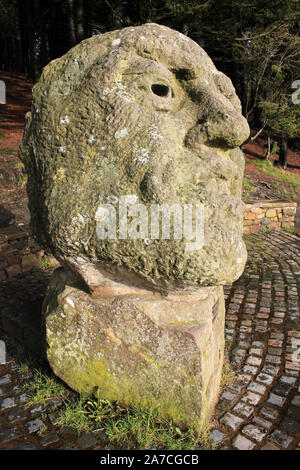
column 176, row 268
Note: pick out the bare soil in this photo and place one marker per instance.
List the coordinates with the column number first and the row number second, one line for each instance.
column 267, row 185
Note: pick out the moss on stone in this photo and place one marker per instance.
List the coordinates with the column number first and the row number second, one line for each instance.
column 98, row 131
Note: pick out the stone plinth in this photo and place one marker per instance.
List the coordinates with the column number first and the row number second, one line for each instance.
column 139, row 347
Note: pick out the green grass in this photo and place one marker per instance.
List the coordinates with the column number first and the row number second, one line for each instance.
column 266, row 167
column 247, row 189
column 247, row 185
column 228, row 374
column 43, row 388
column 8, row 151
column 283, row 192
column 292, row 230
column 24, row 368
column 75, row 414
column 125, row 427
column 146, row 429
column 45, row 263
column 128, row 428
column 228, row 343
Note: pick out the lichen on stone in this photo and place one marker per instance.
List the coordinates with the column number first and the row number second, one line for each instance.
column 128, row 113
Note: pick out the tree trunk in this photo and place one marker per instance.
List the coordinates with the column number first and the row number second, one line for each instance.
column 79, row 17
column 268, row 147
column 283, row 150
column 23, row 36
column 72, row 26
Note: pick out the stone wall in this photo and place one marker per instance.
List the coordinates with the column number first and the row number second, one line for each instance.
column 272, row 215
column 19, row 252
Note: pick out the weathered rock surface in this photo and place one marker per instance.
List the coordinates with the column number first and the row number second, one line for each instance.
column 139, row 112
column 140, row 349
column 124, row 126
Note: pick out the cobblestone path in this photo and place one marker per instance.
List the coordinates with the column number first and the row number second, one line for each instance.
column 258, row 409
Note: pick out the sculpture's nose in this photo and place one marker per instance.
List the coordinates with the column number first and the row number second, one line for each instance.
column 220, row 122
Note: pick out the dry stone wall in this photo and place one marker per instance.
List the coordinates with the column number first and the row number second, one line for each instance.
column 19, row 252
column 272, row 215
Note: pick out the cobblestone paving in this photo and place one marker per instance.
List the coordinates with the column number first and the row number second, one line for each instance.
column 259, row 409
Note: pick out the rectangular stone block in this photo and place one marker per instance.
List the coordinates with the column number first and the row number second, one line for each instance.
column 142, row 349
column 287, row 225
column 289, row 211
column 249, row 216
column 271, row 213
column 13, row 259
column 13, row 270
column 252, row 229
column 4, row 247
column 29, row 261
column 242, row 443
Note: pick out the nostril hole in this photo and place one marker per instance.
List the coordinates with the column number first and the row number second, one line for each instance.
column 160, row 90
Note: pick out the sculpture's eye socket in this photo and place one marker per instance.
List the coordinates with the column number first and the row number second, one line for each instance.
column 160, row 90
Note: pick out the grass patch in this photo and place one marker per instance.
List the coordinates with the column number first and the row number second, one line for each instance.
column 292, row 230
column 24, row 368
column 228, row 343
column 128, row 428
column 145, row 429
column 247, row 185
column 266, row 167
column 283, row 192
column 45, row 263
column 228, row 374
column 43, row 388
column 8, row 151
column 247, row 189
column 75, row 414
column 125, row 427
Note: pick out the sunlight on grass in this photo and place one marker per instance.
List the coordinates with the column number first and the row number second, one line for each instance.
column 228, row 374
column 43, row 388
column 147, row 429
column 129, row 428
column 125, row 427
column 266, row 167
column 247, row 185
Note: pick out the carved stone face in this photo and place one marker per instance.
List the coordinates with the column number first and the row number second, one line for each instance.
column 140, row 112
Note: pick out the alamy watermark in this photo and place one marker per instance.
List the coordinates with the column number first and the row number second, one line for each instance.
column 2, row 352
column 2, row 92
column 123, row 218
column 296, row 94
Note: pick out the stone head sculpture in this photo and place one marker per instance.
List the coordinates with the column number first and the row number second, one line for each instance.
column 142, row 116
